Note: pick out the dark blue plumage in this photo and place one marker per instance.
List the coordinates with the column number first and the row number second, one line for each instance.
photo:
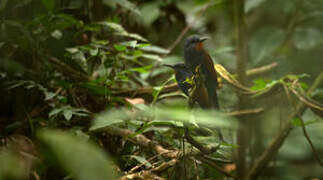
column 181, row 74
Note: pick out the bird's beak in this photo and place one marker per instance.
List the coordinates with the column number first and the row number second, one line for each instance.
column 203, row 39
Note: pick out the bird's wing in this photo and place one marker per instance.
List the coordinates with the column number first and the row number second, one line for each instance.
column 209, row 65
column 201, row 96
column 211, row 82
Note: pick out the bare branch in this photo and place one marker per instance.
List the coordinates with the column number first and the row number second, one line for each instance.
column 262, row 69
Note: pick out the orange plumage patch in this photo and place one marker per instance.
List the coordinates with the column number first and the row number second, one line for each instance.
column 199, row 46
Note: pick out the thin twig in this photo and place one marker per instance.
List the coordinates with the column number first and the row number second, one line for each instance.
column 316, row 154
column 262, row 69
column 245, row 112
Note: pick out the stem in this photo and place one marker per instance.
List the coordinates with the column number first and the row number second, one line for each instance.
column 242, row 59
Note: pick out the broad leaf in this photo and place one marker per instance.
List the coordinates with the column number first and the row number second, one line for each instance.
column 80, row 158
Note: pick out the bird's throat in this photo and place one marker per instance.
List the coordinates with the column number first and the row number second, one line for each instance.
column 199, row 46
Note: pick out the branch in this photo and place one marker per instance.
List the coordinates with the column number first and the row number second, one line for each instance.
column 245, row 112
column 142, row 175
column 262, row 69
column 142, row 141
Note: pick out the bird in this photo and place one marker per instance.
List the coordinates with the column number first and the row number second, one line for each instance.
column 182, row 75
column 195, row 56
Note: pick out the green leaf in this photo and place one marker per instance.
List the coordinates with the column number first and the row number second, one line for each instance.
column 80, row 158
column 260, row 84
column 169, row 116
column 131, row 44
column 49, row 95
column 119, row 30
column 251, row 4
column 120, row 48
column 57, row 34
column 108, row 118
column 94, row 52
column 68, row 114
column 72, row 50
column 142, row 69
column 149, row 12
column 297, row 122
column 155, row 49
column 49, row 4
column 152, row 57
column 54, row 112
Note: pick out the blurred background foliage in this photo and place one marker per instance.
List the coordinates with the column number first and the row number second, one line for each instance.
column 64, row 62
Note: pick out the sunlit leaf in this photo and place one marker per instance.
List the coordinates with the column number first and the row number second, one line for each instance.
column 57, row 34
column 260, row 84
column 68, row 114
column 82, row 159
column 142, row 69
column 72, row 50
column 49, row 95
column 120, row 47
column 297, row 122
column 152, row 57
column 131, row 44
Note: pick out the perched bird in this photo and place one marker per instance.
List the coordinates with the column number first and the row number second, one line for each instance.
column 196, row 56
column 182, row 73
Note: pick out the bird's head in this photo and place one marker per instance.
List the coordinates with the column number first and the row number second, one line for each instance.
column 194, row 42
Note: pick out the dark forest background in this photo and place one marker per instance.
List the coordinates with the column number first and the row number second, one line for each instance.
column 85, row 95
